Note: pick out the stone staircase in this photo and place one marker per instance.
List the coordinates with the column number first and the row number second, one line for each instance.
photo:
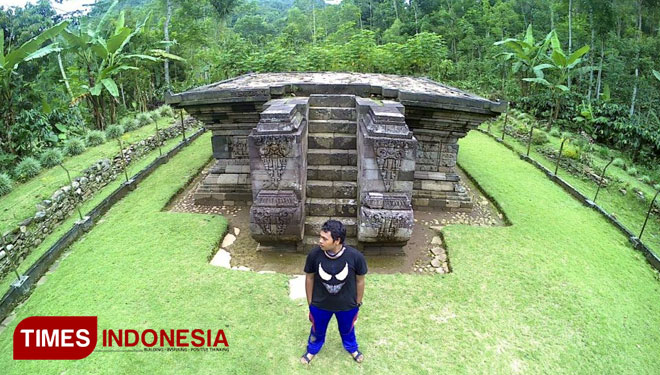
column 331, row 166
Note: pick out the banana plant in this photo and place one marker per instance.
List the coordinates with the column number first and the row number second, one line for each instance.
column 563, row 67
column 103, row 56
column 9, row 63
column 526, row 54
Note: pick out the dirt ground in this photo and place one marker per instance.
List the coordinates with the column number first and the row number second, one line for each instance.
column 418, row 255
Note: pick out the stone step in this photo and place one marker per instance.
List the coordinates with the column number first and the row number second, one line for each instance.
column 433, row 185
column 343, row 141
column 331, row 156
column 442, row 204
column 344, row 207
column 316, row 100
column 332, row 172
column 332, row 113
column 436, row 176
column 309, row 242
column 331, row 189
column 313, row 225
column 333, row 126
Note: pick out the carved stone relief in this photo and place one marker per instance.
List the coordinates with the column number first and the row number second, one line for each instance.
column 388, row 222
column 389, row 155
column 239, row 148
column 274, row 151
column 273, row 221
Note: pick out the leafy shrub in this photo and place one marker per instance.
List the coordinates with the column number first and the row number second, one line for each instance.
column 555, row 133
column 632, row 171
column 6, row 160
column 94, row 138
column 166, row 111
column 51, row 157
column 539, row 137
column 74, row 146
column 5, row 184
column 143, row 118
column 656, row 187
column 114, row 131
column 645, row 179
column 27, row 168
column 618, row 162
column 570, row 152
column 129, row 124
column 155, row 115
column 604, row 152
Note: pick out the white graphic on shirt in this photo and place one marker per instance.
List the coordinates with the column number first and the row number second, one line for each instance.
column 341, row 276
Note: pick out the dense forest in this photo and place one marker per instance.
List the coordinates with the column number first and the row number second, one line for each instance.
column 585, row 66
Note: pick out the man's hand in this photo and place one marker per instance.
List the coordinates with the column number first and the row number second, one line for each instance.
column 359, row 283
column 309, row 287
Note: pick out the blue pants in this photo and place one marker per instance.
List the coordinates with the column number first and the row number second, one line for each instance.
column 320, row 319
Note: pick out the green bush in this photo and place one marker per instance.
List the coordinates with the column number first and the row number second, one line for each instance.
column 155, row 115
column 166, row 111
column 571, row 152
column 632, row 171
column 555, row 133
column 645, row 179
column 94, row 138
column 129, row 124
column 656, row 187
column 114, row 131
column 539, row 137
column 51, row 157
column 27, row 168
column 604, row 152
column 5, row 184
column 618, row 162
column 143, row 118
column 74, row 146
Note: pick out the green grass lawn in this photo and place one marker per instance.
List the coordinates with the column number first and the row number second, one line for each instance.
column 558, row 292
column 629, row 209
column 20, row 203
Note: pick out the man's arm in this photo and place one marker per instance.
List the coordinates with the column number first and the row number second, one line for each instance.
column 309, row 287
column 359, row 283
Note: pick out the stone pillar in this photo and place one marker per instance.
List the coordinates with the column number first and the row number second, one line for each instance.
column 278, row 166
column 386, row 166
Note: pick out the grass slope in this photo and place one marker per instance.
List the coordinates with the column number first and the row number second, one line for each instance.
column 557, row 292
column 629, row 209
column 20, row 203
column 86, row 206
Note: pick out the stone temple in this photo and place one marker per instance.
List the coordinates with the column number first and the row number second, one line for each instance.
column 366, row 149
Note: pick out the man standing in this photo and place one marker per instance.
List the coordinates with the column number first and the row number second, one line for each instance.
column 334, row 286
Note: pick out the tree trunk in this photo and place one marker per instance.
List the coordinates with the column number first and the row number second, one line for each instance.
column 639, row 35
column 591, row 55
column 570, row 35
column 66, row 80
column 396, row 10
column 166, row 31
column 600, row 67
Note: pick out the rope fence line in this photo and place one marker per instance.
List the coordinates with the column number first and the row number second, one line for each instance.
column 636, row 241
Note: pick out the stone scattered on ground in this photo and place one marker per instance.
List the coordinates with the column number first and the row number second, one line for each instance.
column 222, row 259
column 237, row 231
column 436, row 241
column 228, row 240
column 297, row 287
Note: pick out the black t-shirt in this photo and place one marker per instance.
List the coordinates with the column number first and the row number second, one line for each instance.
column 334, row 279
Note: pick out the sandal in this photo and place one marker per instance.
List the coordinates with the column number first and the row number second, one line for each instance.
column 358, row 357
column 306, row 360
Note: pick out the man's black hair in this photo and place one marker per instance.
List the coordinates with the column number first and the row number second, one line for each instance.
column 336, row 229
